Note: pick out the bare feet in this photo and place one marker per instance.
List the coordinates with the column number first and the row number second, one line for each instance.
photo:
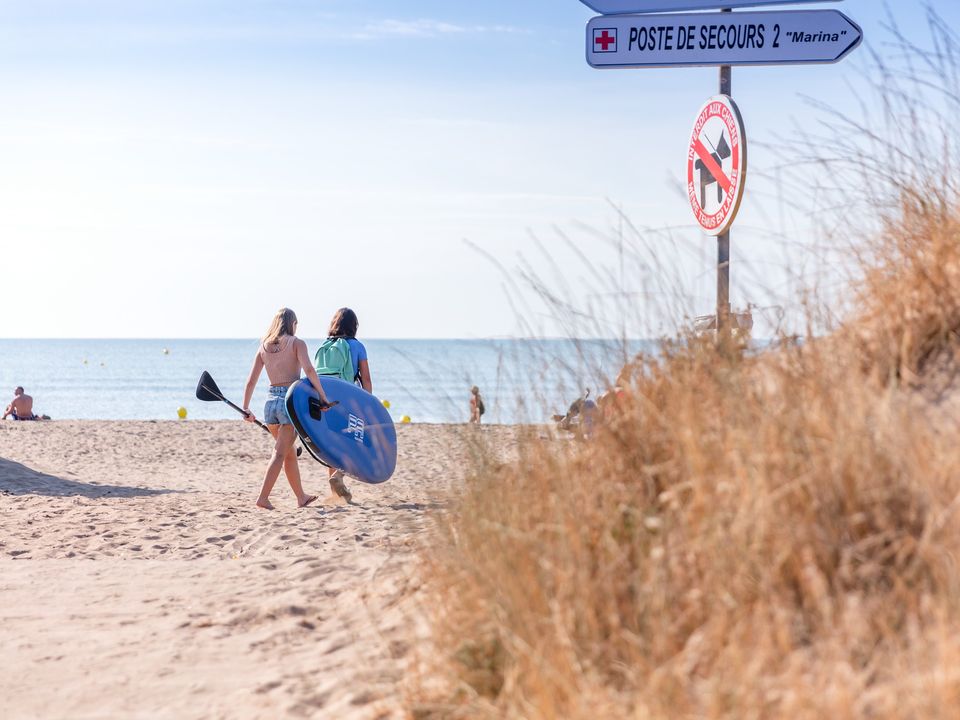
column 338, row 487
column 265, row 504
column 309, row 499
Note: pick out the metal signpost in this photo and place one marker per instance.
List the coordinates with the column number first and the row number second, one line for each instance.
column 723, row 239
column 624, row 37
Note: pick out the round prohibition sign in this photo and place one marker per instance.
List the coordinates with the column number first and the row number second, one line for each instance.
column 717, row 164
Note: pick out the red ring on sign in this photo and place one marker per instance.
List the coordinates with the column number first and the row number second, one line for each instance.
column 732, row 182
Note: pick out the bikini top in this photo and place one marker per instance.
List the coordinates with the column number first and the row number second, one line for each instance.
column 281, row 364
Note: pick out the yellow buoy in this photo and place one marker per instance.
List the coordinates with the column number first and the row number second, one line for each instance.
column 386, row 404
column 182, row 413
column 405, row 419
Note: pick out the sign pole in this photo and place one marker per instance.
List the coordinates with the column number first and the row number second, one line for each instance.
column 723, row 240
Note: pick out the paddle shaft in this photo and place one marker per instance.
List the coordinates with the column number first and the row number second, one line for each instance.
column 216, row 393
column 235, row 407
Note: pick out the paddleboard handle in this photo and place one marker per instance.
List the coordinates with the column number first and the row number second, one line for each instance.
column 317, row 407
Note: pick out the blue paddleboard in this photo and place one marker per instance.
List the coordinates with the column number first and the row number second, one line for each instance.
column 356, row 436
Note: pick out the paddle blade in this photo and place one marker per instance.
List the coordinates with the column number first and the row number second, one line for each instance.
column 207, row 389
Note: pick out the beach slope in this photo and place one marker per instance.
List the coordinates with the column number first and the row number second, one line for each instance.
column 140, row 581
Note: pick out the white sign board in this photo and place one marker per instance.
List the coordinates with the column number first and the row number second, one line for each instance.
column 786, row 37
column 627, row 7
column 717, row 164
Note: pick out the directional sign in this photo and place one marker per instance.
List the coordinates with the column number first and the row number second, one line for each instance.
column 787, row 37
column 627, row 7
column 717, row 164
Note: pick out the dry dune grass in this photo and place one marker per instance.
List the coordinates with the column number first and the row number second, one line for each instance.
column 908, row 296
column 769, row 537
column 748, row 536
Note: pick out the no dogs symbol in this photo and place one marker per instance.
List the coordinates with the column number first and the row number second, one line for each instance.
column 717, row 164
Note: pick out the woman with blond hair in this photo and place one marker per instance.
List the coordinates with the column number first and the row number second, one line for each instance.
column 283, row 355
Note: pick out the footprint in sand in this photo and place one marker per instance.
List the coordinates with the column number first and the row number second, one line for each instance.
column 267, row 687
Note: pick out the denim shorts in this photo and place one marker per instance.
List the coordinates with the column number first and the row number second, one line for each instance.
column 275, row 409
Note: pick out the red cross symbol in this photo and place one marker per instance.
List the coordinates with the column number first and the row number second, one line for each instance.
column 605, row 40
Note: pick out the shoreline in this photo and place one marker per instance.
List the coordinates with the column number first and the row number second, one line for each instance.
column 166, row 422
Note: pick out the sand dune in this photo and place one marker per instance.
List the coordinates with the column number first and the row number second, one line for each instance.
column 139, row 580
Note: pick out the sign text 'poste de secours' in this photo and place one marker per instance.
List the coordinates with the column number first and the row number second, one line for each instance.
column 746, row 38
column 629, row 7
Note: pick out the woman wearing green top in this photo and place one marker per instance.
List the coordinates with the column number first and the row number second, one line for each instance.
column 344, row 325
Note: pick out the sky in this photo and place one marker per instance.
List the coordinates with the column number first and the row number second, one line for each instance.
column 183, row 168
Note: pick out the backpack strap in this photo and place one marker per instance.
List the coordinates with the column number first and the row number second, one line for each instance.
column 356, row 376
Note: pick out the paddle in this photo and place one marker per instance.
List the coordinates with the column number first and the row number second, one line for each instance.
column 208, row 391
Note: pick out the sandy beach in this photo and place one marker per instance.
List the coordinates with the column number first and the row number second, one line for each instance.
column 140, row 581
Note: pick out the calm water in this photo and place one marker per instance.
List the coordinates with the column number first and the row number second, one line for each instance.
column 429, row 380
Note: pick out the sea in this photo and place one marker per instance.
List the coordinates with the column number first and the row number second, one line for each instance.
column 427, row 381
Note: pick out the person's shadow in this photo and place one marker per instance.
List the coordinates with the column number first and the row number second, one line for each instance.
column 18, row 479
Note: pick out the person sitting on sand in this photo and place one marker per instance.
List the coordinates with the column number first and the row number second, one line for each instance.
column 283, row 355
column 580, row 416
column 476, row 405
column 21, row 408
column 344, row 325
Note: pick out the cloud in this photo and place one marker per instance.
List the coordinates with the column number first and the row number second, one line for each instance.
column 427, row 28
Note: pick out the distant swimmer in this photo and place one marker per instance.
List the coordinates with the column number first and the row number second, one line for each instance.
column 21, row 408
column 283, row 355
column 476, row 405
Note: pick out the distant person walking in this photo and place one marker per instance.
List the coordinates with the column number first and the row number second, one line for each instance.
column 21, row 407
column 476, row 405
column 342, row 355
column 283, row 355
